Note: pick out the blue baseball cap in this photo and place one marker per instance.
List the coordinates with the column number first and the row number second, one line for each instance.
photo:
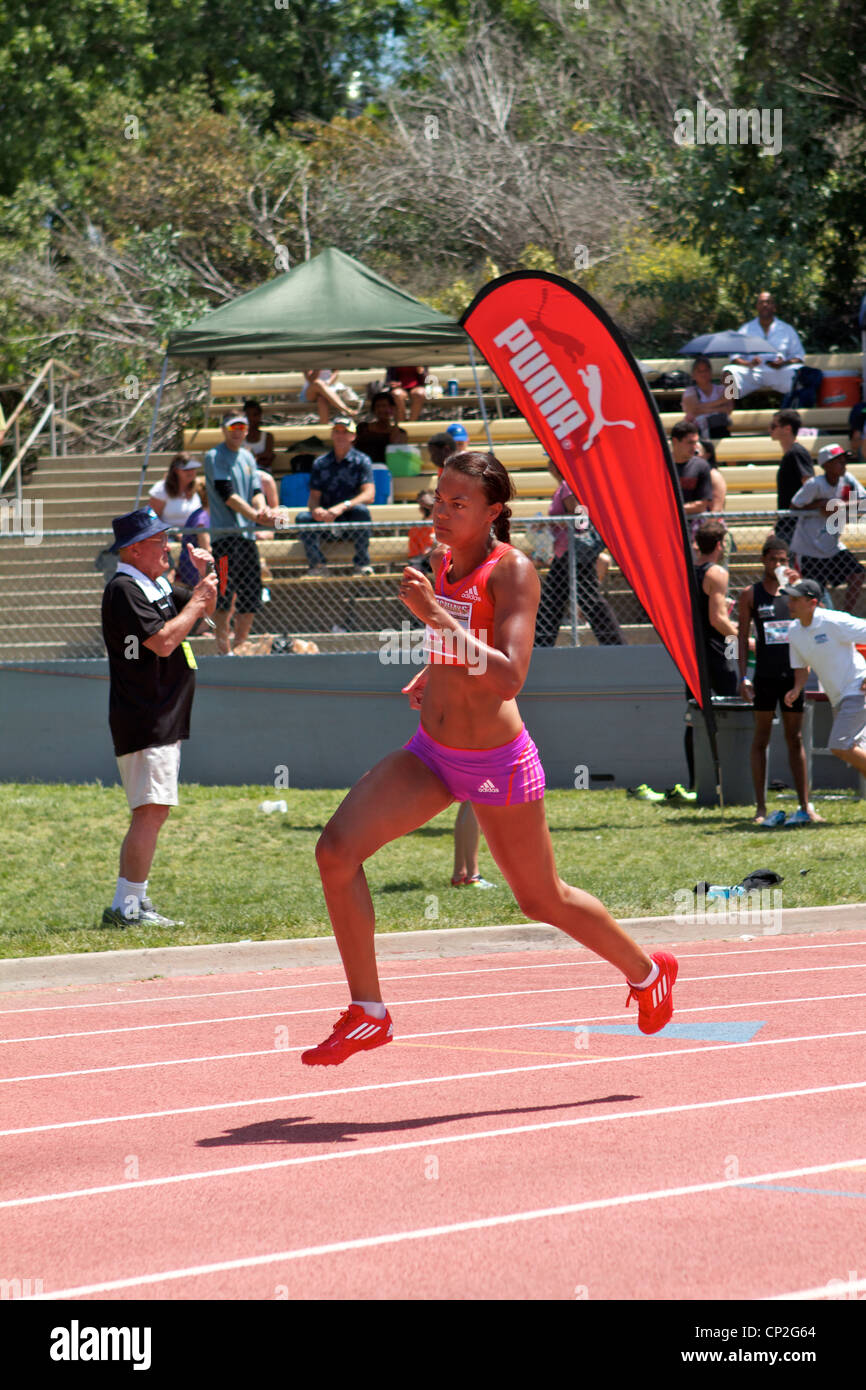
column 457, row 432
column 136, row 526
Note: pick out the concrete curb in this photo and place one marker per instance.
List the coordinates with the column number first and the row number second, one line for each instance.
column 236, row 957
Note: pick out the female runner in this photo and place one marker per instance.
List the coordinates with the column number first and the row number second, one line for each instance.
column 471, row 745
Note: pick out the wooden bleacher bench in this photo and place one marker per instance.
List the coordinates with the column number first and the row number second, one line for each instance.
column 825, row 362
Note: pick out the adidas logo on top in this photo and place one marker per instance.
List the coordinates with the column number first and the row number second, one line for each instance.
column 472, row 593
column 488, row 786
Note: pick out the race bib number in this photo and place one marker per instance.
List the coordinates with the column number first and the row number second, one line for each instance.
column 776, row 633
column 442, row 645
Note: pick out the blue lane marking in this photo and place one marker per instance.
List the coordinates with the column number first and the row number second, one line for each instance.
column 809, row 1191
column 739, row 1030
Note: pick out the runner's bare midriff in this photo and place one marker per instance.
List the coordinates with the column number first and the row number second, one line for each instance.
column 460, row 710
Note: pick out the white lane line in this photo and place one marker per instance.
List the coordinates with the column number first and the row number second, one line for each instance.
column 430, row 1232
column 398, row 979
column 402, row 1003
column 331, row 1155
column 412, row 1081
column 414, row 1037
column 834, row 1288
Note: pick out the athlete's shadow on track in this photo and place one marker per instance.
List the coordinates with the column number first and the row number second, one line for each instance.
column 303, row 1129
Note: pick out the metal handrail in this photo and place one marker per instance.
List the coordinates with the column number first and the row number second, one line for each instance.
column 47, row 414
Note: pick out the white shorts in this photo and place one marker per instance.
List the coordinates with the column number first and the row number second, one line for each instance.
column 849, row 723
column 150, row 775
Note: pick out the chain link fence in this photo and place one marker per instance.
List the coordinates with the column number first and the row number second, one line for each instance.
column 51, row 584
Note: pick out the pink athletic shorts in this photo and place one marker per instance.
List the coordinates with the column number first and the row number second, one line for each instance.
column 503, row 776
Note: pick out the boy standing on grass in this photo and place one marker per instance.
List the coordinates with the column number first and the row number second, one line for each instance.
column 825, row 641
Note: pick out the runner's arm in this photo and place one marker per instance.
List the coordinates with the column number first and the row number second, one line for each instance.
column 716, row 589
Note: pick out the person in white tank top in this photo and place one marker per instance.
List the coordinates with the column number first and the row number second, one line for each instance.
column 261, row 445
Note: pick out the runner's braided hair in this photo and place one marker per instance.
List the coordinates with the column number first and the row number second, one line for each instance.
column 495, row 480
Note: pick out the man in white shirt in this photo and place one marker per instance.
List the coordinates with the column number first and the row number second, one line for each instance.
column 817, row 540
column 824, row 641
column 775, row 369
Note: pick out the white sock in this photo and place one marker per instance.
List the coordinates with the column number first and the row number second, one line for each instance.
column 374, row 1010
column 650, row 979
column 128, row 896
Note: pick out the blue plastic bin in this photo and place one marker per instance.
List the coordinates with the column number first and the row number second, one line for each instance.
column 295, row 489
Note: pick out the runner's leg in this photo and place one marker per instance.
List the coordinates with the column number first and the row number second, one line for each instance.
column 519, row 840
column 760, row 743
column 395, row 797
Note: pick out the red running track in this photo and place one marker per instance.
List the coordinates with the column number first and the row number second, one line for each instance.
column 161, row 1140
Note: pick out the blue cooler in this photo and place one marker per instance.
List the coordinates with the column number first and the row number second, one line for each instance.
column 295, row 489
column 384, row 483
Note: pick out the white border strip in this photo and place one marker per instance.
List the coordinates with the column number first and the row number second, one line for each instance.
column 392, row 1085
column 398, row 979
column 834, row 1288
column 431, row 1232
column 332, row 1155
column 404, row 1003
column 440, row 1033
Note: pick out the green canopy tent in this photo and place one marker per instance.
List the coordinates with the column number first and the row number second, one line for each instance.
column 329, row 307
column 330, row 311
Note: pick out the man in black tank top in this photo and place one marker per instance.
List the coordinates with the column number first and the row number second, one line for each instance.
column 719, row 632
column 763, row 605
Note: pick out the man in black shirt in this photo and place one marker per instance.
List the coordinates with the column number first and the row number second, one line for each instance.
column 341, row 485
column 795, row 468
column 764, row 605
column 145, row 621
column 693, row 471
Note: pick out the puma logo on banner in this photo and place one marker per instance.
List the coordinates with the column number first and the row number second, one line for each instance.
column 532, row 366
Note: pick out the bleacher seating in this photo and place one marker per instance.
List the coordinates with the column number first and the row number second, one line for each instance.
column 86, row 491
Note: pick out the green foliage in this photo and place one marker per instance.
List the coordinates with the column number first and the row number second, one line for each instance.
column 660, row 293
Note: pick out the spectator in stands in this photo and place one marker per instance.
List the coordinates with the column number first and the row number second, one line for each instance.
column 459, row 438
column 693, row 471
column 856, row 421
column 408, row 383
column 375, row 435
column 196, row 532
column 775, row 369
column 719, row 633
column 764, row 604
column 439, row 447
column 817, row 541
column 325, row 388
column 554, row 590
column 708, row 404
column 707, row 450
column 236, row 503
column 341, row 486
column 422, row 540
column 261, row 445
column 795, row 468
column 174, row 497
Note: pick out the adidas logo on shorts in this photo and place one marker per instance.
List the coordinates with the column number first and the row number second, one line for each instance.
column 488, row 786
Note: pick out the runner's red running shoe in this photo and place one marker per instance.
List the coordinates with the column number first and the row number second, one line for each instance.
column 655, row 1003
column 354, row 1031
